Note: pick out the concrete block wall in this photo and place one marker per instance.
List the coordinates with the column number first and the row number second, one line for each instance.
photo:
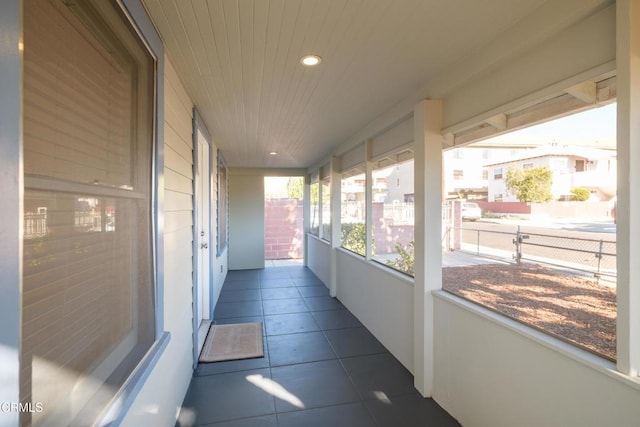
column 283, row 229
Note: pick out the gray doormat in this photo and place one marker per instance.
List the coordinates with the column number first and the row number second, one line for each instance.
column 232, row 342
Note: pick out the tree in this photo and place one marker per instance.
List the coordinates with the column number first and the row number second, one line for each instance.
column 295, row 187
column 580, row 194
column 530, row 185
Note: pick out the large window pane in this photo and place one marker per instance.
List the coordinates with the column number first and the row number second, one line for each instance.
column 353, row 213
column 88, row 315
column 547, row 263
column 326, row 208
column 314, row 195
column 393, row 221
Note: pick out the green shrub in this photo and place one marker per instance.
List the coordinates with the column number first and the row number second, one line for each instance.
column 406, row 262
column 354, row 238
column 579, row 194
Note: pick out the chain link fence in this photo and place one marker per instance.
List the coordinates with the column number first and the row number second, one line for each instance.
column 596, row 257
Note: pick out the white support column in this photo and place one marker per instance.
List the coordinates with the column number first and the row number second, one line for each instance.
column 306, row 212
column 427, row 119
column 336, row 224
column 628, row 207
column 368, row 201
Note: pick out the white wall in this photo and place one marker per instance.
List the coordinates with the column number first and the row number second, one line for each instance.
column 220, row 268
column 381, row 299
column 162, row 394
column 319, row 258
column 246, row 220
column 493, row 372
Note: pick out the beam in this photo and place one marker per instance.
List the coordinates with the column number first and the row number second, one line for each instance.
column 499, row 121
column 585, row 91
column 448, row 140
column 605, row 92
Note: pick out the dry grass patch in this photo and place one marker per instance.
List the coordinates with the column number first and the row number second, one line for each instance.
column 570, row 307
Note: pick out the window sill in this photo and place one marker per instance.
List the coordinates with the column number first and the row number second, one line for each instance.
column 124, row 398
column 379, row 266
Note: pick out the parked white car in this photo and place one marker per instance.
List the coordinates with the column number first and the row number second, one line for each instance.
column 471, row 211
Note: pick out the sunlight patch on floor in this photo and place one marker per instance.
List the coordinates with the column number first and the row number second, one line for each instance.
column 275, row 389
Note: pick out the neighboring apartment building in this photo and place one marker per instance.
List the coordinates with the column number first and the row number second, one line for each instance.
column 572, row 167
column 463, row 168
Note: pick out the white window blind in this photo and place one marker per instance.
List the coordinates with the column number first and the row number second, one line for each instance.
column 88, row 314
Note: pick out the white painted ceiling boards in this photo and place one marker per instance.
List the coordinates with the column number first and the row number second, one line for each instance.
column 240, row 62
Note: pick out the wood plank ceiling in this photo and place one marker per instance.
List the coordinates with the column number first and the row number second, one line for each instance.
column 239, row 60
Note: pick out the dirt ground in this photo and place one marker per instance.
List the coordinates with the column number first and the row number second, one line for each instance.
column 571, row 307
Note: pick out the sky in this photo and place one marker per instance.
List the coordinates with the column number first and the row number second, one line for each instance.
column 595, row 127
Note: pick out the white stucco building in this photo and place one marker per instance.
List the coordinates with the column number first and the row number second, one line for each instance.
column 572, row 167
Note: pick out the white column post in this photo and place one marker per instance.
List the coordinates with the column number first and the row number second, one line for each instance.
column 336, row 224
column 628, row 205
column 306, row 212
column 427, row 119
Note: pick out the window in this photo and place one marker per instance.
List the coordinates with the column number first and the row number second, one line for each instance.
column 326, row 208
column 485, row 174
column 223, row 204
column 579, row 165
column 458, row 174
column 314, row 194
column 393, row 218
column 353, row 212
column 557, row 278
column 88, row 311
column 497, row 173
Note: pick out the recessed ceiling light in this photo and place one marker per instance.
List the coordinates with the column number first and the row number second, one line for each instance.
column 273, row 153
column 310, row 60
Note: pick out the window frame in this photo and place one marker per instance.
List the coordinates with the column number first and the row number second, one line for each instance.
column 314, row 231
column 137, row 16
column 134, row 14
column 383, row 164
column 356, row 171
column 324, row 233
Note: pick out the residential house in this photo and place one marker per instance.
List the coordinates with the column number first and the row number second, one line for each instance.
column 572, row 167
column 134, row 141
column 464, row 173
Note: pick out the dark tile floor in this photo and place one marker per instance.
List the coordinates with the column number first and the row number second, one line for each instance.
column 322, row 367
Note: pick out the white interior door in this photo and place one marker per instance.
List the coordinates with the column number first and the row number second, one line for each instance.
column 203, row 234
